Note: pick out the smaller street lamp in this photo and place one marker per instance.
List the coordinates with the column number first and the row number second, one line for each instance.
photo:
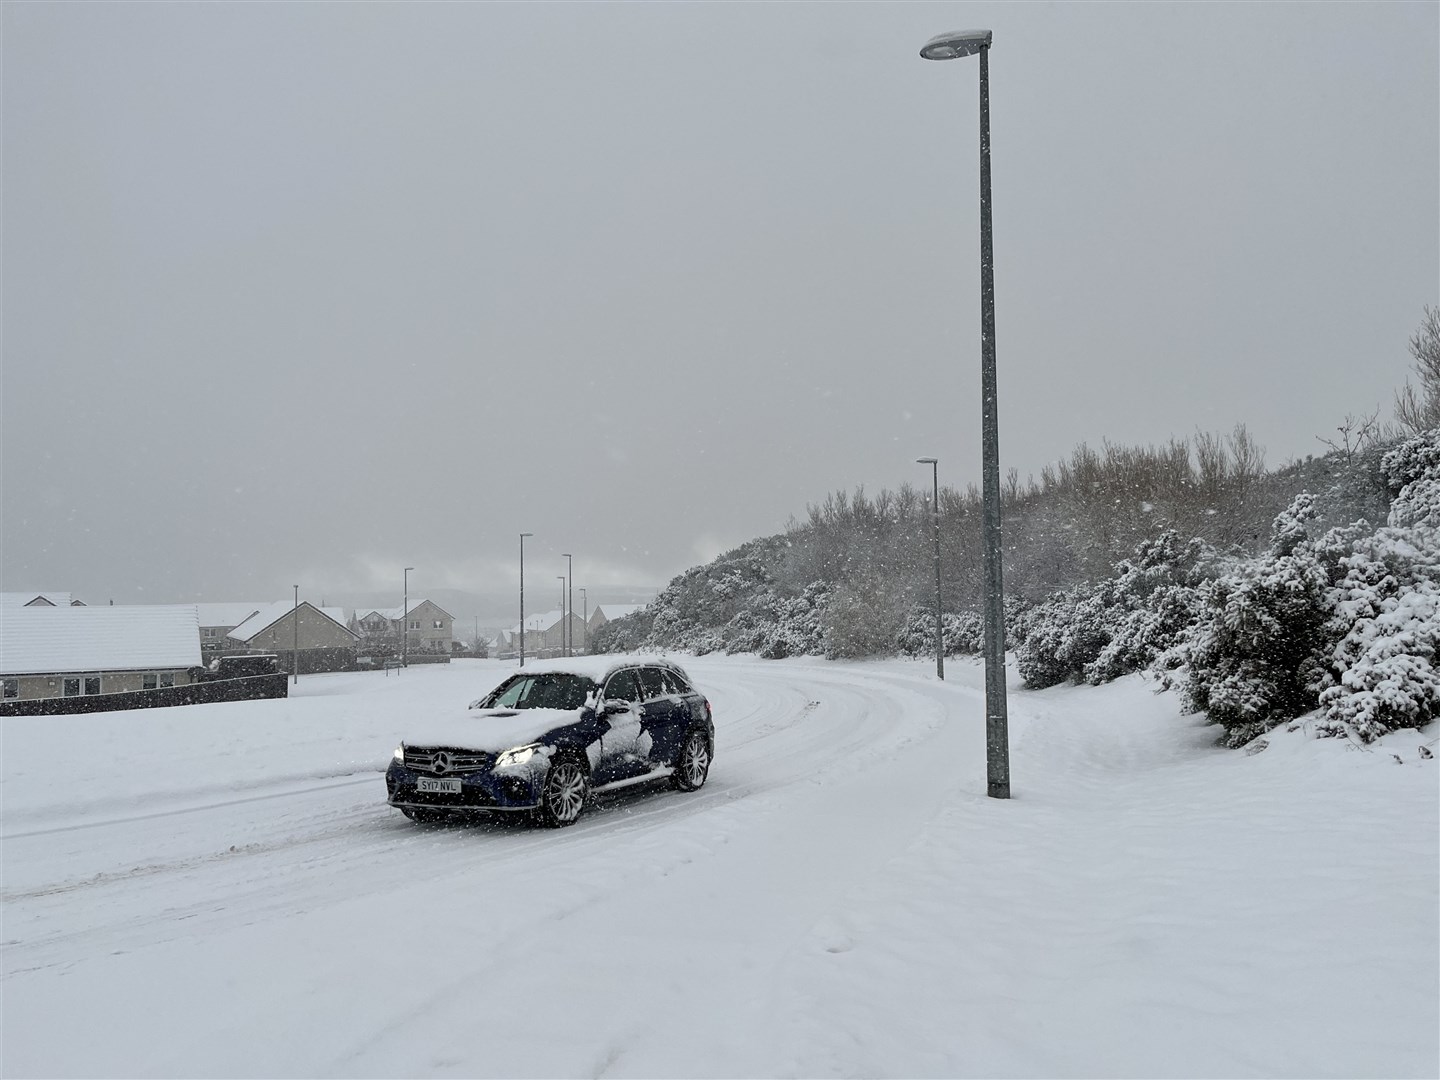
column 295, row 650
column 405, row 620
column 584, row 623
column 523, row 535
column 935, row 518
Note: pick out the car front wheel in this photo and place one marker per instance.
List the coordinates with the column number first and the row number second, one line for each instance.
column 694, row 765
column 566, row 788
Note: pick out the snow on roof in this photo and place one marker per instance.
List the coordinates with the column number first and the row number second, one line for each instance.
column 55, row 640
column 25, row 599
column 617, row 611
column 541, row 622
column 232, row 614
column 270, row 614
column 393, row 613
column 594, row 667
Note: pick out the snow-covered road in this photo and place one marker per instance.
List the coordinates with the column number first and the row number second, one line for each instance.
column 221, row 890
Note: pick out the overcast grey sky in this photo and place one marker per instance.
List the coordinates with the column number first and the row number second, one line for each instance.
column 312, row 292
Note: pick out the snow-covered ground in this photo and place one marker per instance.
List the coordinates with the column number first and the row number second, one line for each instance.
column 221, row 890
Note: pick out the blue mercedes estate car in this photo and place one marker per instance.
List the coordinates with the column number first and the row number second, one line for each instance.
column 547, row 737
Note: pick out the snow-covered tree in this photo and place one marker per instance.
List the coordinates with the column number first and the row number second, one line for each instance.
column 1383, row 672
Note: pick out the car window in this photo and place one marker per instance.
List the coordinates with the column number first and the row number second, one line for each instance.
column 543, row 692
column 675, row 682
column 653, row 684
column 622, row 685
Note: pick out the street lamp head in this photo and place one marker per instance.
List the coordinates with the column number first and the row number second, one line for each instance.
column 955, row 44
column 523, row 535
column 409, row 568
column 927, row 461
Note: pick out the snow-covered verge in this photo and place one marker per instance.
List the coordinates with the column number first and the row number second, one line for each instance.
column 219, row 890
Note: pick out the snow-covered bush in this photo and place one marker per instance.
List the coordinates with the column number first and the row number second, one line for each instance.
column 1063, row 635
column 1255, row 656
column 1414, row 459
column 1101, row 632
column 776, row 627
column 863, row 618
column 964, row 633
column 1383, row 671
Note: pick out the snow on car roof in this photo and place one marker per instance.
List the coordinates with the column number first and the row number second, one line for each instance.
column 593, row 667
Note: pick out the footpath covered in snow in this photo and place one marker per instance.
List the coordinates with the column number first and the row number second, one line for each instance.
column 220, row 890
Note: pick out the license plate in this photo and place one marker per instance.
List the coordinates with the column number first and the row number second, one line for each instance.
column 437, row 787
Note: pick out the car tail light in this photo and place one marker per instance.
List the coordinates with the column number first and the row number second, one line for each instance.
column 708, row 714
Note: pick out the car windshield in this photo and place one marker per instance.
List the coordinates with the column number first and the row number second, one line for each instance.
column 542, row 691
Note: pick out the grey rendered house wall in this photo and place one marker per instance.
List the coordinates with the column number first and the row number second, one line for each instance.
column 427, row 637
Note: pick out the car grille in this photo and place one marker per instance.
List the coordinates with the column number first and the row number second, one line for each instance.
column 444, row 761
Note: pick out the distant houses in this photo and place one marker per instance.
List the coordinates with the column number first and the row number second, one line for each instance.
column 422, row 633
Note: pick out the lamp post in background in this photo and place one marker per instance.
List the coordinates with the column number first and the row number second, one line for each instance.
column 561, row 578
column 585, row 623
column 952, row 46
column 523, row 535
column 295, row 650
column 935, row 519
column 569, row 604
column 405, row 621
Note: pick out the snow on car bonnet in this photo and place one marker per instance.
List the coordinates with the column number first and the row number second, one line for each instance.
column 490, row 730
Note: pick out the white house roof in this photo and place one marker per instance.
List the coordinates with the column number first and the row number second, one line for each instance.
column 540, row 623
column 270, row 614
column 617, row 611
column 56, row 640
column 393, row 613
column 228, row 614
column 22, row 599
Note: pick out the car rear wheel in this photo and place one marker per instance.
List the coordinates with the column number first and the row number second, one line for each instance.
column 567, row 786
column 693, row 767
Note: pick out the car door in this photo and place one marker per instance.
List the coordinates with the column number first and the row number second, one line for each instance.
column 619, row 753
column 662, row 722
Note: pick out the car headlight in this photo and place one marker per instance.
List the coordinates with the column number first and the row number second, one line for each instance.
column 517, row 756
column 399, row 754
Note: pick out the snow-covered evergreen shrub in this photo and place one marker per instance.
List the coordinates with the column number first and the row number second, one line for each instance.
column 1414, row 459
column 1255, row 656
column 964, row 633
column 1383, row 673
column 862, row 618
column 1063, row 635
column 1154, row 600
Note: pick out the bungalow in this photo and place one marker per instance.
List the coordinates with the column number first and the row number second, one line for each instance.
column 320, row 635
column 51, row 650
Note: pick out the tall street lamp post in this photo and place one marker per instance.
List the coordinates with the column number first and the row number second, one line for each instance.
column 935, row 519
column 952, row 46
column 569, row 604
column 405, row 621
column 295, row 649
column 523, row 535
column 584, row 622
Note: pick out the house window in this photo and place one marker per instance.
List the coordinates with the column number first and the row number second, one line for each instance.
column 209, row 631
column 415, row 625
column 438, row 624
column 148, row 681
column 167, row 678
column 12, row 688
column 92, row 684
column 71, row 688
